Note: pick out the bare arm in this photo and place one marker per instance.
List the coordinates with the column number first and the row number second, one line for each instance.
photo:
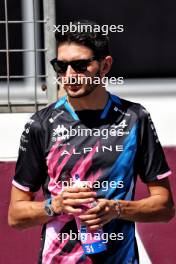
column 157, row 207
column 25, row 212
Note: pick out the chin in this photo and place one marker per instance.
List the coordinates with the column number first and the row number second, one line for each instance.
column 76, row 91
column 76, row 94
column 79, row 91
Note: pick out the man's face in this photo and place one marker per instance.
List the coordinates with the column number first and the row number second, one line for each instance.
column 71, row 52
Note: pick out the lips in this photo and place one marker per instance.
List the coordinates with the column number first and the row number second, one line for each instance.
column 74, row 87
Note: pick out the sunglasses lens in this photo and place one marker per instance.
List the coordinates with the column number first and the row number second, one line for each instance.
column 60, row 66
column 77, row 65
column 80, row 66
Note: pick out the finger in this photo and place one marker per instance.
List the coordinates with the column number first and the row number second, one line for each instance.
column 79, row 195
column 93, row 222
column 95, row 227
column 76, row 189
column 101, row 200
column 99, row 225
column 71, row 210
column 98, row 208
column 74, row 202
column 86, row 217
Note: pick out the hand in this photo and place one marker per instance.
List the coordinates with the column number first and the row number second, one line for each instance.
column 71, row 199
column 101, row 214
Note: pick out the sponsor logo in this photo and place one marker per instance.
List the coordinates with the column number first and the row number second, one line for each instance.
column 52, row 119
column 28, row 125
column 152, row 125
column 105, row 149
column 60, row 133
column 23, row 139
column 22, row 148
column 116, row 109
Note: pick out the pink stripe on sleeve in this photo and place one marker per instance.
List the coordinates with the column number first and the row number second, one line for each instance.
column 164, row 175
column 21, row 187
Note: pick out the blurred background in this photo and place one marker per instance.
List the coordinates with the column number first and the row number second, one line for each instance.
column 144, row 54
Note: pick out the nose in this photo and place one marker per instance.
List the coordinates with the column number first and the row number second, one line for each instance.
column 70, row 74
column 70, row 71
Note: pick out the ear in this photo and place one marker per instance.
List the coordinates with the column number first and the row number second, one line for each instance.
column 106, row 64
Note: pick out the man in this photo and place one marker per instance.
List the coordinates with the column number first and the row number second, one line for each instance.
column 49, row 156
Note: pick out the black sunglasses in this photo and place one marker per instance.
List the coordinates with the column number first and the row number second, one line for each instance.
column 77, row 65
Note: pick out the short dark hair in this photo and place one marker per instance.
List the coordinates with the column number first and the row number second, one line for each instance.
column 96, row 41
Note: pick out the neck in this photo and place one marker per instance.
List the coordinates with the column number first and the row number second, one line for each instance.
column 93, row 101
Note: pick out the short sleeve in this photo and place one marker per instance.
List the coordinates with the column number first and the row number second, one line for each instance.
column 30, row 170
column 151, row 161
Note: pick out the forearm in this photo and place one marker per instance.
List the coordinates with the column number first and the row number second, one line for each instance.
column 25, row 214
column 151, row 209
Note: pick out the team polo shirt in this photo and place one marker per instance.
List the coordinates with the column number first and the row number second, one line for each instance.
column 107, row 147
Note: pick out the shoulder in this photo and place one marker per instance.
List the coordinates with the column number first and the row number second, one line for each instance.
column 133, row 108
column 48, row 112
column 44, row 113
